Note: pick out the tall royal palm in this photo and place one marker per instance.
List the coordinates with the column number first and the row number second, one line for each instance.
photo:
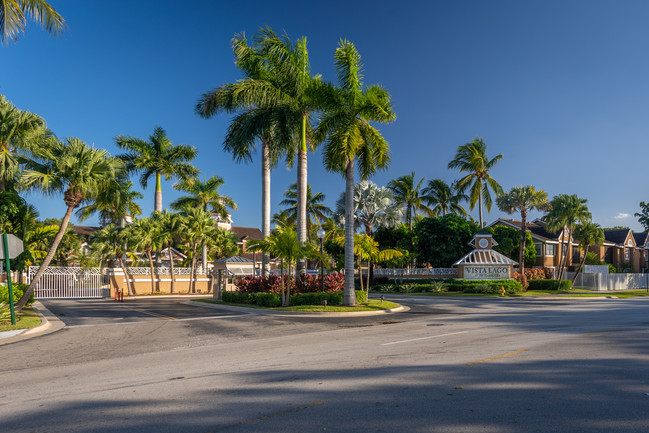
column 257, row 121
column 523, row 199
column 157, row 157
column 74, row 169
column 567, row 211
column 350, row 138
column 20, row 131
column 409, row 195
column 315, row 209
column 443, row 198
column 472, row 158
column 14, row 15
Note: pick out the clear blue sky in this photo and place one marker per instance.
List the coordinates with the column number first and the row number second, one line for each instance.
column 560, row 88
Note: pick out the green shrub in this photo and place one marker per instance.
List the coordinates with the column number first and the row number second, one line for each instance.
column 548, row 285
column 486, row 286
column 332, row 298
column 5, row 313
column 18, row 289
column 361, row 297
column 437, row 287
column 273, row 300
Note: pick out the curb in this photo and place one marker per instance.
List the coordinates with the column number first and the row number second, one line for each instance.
column 49, row 324
column 263, row 311
column 127, row 298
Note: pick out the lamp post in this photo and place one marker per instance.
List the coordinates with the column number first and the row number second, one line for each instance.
column 321, row 234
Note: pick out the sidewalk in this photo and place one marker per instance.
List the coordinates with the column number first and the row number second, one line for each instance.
column 49, row 323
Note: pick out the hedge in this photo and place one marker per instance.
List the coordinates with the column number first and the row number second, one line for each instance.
column 273, row 300
column 548, row 285
column 452, row 285
column 18, row 289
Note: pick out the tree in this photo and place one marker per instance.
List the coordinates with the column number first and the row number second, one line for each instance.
column 643, row 216
column 204, row 195
column 373, row 207
column 20, row 131
column 472, row 158
column 14, row 15
column 314, row 207
column 157, row 157
column 169, row 225
column 76, row 170
column 523, row 199
column 408, row 195
column 115, row 201
column 509, row 239
column 566, row 212
column 143, row 233
column 350, row 137
column 367, row 249
column 112, row 241
column 443, row 240
column 197, row 226
column 586, row 234
column 444, row 198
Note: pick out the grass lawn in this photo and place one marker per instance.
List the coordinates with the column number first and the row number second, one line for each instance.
column 27, row 319
column 372, row 305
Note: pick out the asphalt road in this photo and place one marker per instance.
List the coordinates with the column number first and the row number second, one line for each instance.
column 447, row 365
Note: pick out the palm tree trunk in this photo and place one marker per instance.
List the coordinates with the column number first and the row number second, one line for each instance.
column 301, row 196
column 157, row 202
column 281, row 279
column 367, row 286
column 265, row 204
column 349, row 295
column 521, row 252
column 581, row 265
column 48, row 258
column 148, row 254
column 360, row 273
column 192, row 277
column 130, row 286
column 204, row 257
column 480, row 209
column 171, row 266
column 287, row 300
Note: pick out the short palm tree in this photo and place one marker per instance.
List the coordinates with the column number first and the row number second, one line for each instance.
column 472, row 158
column 197, row 226
column 367, row 249
column 114, row 203
column 157, row 157
column 111, row 241
column 586, row 234
column 315, row 209
column 74, row 169
column 143, row 233
column 566, row 212
column 444, row 198
column 169, row 230
column 345, row 124
column 409, row 196
column 523, row 199
column 14, row 15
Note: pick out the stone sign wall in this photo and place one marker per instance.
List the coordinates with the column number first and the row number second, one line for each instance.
column 487, row 272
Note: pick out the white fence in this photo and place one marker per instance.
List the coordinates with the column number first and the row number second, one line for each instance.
column 602, row 282
column 68, row 282
column 409, row 272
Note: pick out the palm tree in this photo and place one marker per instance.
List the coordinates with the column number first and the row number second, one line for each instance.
column 143, row 233
column 567, row 211
column 112, row 241
column 20, row 131
column 282, row 219
column 367, row 249
column 314, row 207
column 373, row 207
column 159, row 157
column 350, row 137
column 169, row 230
column 76, row 170
column 472, row 158
column 408, row 195
column 587, row 234
column 14, row 15
column 444, row 198
column 114, row 203
column 204, row 195
column 197, row 226
column 257, row 121
column 523, row 199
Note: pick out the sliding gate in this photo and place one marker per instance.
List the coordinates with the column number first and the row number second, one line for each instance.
column 68, row 282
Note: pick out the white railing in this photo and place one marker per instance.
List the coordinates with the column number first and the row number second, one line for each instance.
column 603, row 282
column 160, row 271
column 405, row 272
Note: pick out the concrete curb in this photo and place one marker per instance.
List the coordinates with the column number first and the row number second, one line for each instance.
column 264, row 311
column 49, row 324
column 128, row 298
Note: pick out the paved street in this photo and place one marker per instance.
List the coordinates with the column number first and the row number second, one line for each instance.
column 447, row 365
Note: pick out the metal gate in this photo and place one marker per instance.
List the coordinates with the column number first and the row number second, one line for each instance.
column 68, row 282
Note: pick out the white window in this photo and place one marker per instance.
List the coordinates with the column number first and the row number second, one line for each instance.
column 550, row 249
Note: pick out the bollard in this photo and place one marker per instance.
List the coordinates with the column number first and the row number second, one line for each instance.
column 121, row 295
column 382, row 299
column 324, row 303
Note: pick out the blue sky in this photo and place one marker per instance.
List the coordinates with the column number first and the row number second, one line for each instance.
column 560, row 88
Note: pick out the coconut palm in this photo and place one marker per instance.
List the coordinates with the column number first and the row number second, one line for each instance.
column 409, row 196
column 586, row 234
column 114, row 203
column 350, row 138
column 196, row 226
column 443, row 198
column 472, row 158
column 112, row 241
column 257, row 121
column 19, row 132
column 566, row 212
column 314, row 207
column 157, row 157
column 282, row 219
column 74, row 169
column 367, row 249
column 169, row 230
column 143, row 233
column 14, row 15
column 523, row 199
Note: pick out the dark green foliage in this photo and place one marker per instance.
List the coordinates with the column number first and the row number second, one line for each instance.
column 548, row 285
column 12, row 212
column 273, row 300
column 476, row 286
column 508, row 239
column 400, row 237
column 643, row 216
column 269, row 300
column 441, row 241
column 332, row 298
column 17, row 288
column 336, row 251
column 450, row 285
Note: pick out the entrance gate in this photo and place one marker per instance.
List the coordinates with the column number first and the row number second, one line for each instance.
column 68, row 282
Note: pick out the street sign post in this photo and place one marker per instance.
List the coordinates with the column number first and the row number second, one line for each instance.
column 11, row 248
